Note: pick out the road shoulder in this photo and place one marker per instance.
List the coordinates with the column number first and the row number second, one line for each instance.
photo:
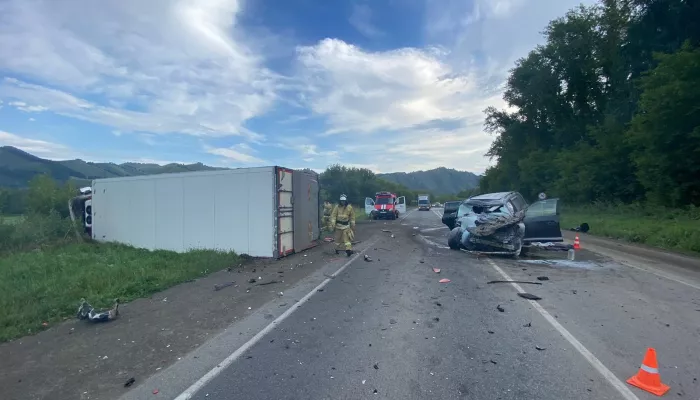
column 80, row 360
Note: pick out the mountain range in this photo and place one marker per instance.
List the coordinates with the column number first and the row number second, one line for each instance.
column 437, row 181
column 18, row 167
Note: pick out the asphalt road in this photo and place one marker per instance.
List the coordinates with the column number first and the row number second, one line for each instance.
column 388, row 329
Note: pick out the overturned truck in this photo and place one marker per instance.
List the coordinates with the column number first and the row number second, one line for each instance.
column 504, row 223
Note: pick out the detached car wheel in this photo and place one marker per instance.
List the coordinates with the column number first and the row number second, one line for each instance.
column 454, row 238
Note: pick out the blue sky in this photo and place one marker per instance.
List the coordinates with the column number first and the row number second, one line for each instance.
column 392, row 85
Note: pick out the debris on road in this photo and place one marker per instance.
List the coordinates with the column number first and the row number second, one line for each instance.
column 542, row 278
column 540, row 348
column 529, row 296
column 386, row 230
column 155, row 391
column 527, row 282
column 392, row 235
column 220, row 286
column 367, row 258
column 252, row 280
column 129, row 382
column 529, row 324
column 86, row 311
column 392, row 321
column 444, row 280
column 491, row 332
column 376, row 366
column 584, row 227
column 436, row 270
column 499, row 308
column 267, row 283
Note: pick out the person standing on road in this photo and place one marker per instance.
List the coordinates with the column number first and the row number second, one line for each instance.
column 327, row 210
column 343, row 221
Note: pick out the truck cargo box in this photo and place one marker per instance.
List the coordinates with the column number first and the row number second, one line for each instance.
column 252, row 211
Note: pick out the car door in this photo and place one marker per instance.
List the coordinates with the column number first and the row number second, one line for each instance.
column 401, row 204
column 449, row 213
column 542, row 222
column 369, row 205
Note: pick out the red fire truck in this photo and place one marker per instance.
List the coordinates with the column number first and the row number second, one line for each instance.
column 385, row 205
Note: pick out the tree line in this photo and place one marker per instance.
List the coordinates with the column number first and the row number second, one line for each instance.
column 607, row 109
column 359, row 183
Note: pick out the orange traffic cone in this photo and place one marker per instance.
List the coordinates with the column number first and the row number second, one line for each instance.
column 577, row 243
column 648, row 377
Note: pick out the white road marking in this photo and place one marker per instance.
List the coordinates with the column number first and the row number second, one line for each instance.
column 441, row 246
column 407, row 214
column 433, row 229
column 201, row 382
column 595, row 362
column 437, row 213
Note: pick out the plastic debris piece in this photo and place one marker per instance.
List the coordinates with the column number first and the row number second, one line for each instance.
column 129, row 382
column 376, row 366
column 267, row 283
column 367, row 258
column 445, row 280
column 529, row 296
column 491, row 332
column 499, row 308
column 436, row 270
column 155, row 391
column 531, row 283
column 540, row 348
column 529, row 324
column 542, row 278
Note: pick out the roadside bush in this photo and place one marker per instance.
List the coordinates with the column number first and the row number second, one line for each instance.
column 35, row 231
column 668, row 228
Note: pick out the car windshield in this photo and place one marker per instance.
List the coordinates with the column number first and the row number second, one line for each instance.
column 384, row 200
column 422, row 201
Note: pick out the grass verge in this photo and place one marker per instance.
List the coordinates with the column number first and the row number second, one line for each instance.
column 45, row 285
column 672, row 229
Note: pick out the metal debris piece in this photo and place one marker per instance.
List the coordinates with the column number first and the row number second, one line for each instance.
column 220, row 286
column 531, row 283
column 252, row 280
column 499, row 308
column 367, row 258
column 491, row 332
column 529, row 296
column 542, row 278
column 444, row 280
column 436, row 270
column 267, row 283
column 540, row 348
column 386, row 230
column 86, row 311
column 376, row 366
column 129, row 382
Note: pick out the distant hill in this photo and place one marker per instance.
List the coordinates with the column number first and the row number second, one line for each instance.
column 18, row 167
column 437, row 181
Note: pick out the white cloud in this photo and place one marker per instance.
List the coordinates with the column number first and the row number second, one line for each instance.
column 361, row 19
column 412, row 109
column 238, row 154
column 159, row 65
column 39, row 148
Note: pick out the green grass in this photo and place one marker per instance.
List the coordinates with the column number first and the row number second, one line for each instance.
column 11, row 219
column 45, row 285
column 672, row 229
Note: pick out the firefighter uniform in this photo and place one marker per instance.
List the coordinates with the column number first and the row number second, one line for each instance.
column 343, row 220
column 327, row 210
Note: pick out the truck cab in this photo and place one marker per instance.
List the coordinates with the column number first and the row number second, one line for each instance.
column 423, row 202
column 385, row 205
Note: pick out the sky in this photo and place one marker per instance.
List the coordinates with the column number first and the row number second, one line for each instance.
column 390, row 85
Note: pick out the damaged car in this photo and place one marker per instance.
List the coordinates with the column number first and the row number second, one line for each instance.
column 504, row 223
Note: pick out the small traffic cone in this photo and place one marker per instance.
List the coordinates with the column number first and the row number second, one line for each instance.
column 577, row 243
column 648, row 377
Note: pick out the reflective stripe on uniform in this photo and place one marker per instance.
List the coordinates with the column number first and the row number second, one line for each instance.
column 649, row 369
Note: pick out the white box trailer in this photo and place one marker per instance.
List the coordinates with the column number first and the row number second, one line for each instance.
column 261, row 212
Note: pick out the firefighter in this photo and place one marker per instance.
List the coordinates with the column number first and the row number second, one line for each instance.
column 343, row 220
column 327, row 210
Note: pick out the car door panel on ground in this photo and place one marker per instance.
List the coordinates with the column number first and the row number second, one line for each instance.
column 542, row 222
